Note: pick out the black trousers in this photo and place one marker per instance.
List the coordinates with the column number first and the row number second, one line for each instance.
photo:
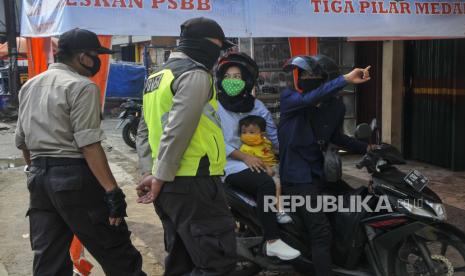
column 316, row 224
column 66, row 199
column 258, row 185
column 198, row 226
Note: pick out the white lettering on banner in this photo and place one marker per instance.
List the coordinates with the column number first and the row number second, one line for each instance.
column 201, row 5
column 249, row 18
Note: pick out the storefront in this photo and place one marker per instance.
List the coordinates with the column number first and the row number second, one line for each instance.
column 434, row 106
column 432, row 117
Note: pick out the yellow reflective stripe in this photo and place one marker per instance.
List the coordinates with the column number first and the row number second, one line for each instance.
column 211, row 114
column 164, row 120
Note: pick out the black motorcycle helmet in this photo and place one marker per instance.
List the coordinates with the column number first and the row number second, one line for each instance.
column 319, row 65
column 249, row 68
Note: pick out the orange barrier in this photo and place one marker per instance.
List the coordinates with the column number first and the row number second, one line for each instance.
column 39, row 55
column 303, row 46
column 81, row 264
column 102, row 76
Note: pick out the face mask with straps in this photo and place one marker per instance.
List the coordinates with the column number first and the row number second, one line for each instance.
column 95, row 68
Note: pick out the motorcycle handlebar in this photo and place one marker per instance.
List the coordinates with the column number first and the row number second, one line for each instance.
column 365, row 162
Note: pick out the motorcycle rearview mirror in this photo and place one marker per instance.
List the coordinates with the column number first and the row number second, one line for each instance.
column 374, row 124
column 375, row 128
column 363, row 132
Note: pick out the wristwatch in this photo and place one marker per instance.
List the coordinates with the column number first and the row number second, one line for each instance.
column 26, row 170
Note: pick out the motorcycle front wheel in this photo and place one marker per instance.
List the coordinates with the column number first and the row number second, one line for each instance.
column 446, row 254
column 130, row 133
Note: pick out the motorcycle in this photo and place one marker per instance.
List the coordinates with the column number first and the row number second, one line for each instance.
column 413, row 238
column 130, row 117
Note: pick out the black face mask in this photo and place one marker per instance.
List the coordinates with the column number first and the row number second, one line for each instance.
column 201, row 50
column 308, row 85
column 92, row 69
column 243, row 102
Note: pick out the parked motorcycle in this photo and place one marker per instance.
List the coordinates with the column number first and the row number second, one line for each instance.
column 413, row 239
column 130, row 117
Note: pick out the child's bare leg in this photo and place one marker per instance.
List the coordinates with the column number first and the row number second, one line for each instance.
column 281, row 216
column 277, row 184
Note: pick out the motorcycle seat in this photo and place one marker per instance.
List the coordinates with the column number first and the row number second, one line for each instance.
column 240, row 196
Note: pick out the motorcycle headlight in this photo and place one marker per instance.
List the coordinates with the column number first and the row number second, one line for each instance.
column 439, row 209
column 431, row 210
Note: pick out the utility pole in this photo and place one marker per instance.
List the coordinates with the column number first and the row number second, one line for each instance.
column 13, row 76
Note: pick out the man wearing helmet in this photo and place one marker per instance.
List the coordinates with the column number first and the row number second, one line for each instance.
column 311, row 114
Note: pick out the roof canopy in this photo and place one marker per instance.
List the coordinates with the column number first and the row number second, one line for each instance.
column 249, row 18
column 21, row 43
column 22, row 47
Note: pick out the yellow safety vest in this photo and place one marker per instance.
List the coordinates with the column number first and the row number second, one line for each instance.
column 206, row 153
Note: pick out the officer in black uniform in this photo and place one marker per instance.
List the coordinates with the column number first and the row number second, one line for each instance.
column 72, row 189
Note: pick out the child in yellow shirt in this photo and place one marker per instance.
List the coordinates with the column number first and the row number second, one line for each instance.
column 253, row 136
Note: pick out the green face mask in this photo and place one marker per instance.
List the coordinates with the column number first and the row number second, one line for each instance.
column 233, row 87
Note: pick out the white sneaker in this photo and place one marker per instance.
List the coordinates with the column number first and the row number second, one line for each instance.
column 283, row 218
column 281, row 250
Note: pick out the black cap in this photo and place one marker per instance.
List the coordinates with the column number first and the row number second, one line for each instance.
column 77, row 40
column 201, row 27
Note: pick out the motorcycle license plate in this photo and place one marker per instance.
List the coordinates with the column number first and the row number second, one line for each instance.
column 417, row 180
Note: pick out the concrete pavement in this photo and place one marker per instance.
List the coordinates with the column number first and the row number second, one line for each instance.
column 10, row 156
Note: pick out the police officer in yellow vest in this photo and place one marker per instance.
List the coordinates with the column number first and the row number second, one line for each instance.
column 182, row 133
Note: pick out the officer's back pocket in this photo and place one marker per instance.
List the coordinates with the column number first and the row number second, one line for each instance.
column 66, row 184
column 31, row 175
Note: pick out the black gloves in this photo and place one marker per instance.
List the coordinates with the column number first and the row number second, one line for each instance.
column 116, row 203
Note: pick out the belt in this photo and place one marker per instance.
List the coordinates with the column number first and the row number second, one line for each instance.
column 45, row 162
